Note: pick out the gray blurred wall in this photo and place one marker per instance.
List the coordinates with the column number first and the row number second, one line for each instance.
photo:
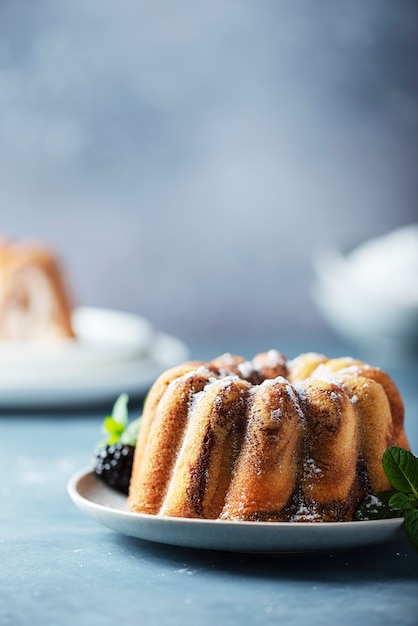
column 188, row 158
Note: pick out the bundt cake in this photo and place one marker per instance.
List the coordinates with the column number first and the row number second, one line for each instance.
column 34, row 302
column 270, row 439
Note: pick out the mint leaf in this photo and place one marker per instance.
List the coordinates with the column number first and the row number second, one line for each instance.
column 401, row 469
column 117, row 427
column 411, row 527
column 113, row 429
column 120, row 409
column 114, row 424
column 402, row 501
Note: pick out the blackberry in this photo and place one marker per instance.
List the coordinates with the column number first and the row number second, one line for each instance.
column 114, row 456
column 113, row 464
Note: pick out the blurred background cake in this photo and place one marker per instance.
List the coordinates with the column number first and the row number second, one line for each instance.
column 34, row 299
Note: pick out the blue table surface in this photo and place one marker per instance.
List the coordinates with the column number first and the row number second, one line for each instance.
column 60, row 567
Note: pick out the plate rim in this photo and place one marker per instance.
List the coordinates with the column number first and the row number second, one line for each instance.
column 99, row 512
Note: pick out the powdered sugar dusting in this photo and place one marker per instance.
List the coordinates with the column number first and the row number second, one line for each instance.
column 271, row 359
column 226, row 382
column 194, row 400
column 291, row 391
column 296, row 400
column 301, row 391
column 275, row 358
column 310, row 468
column 372, row 506
column 306, row 513
column 246, row 369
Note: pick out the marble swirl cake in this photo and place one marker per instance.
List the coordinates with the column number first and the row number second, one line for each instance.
column 34, row 302
column 270, row 439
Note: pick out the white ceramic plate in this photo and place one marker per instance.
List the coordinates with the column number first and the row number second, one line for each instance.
column 108, row 507
column 101, row 383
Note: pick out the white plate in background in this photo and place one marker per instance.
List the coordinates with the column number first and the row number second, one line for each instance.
column 114, row 352
column 102, row 336
column 109, row 507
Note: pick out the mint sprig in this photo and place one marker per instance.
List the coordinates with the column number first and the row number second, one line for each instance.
column 401, row 469
column 411, row 527
column 116, row 426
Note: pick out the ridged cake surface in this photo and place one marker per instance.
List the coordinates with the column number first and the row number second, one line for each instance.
column 269, row 439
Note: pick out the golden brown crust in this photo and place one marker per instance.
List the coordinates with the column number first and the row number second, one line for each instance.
column 346, row 367
column 267, row 468
column 302, row 367
column 226, row 364
column 151, row 403
column 374, row 419
column 269, row 365
column 203, row 471
column 330, row 459
column 150, row 479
